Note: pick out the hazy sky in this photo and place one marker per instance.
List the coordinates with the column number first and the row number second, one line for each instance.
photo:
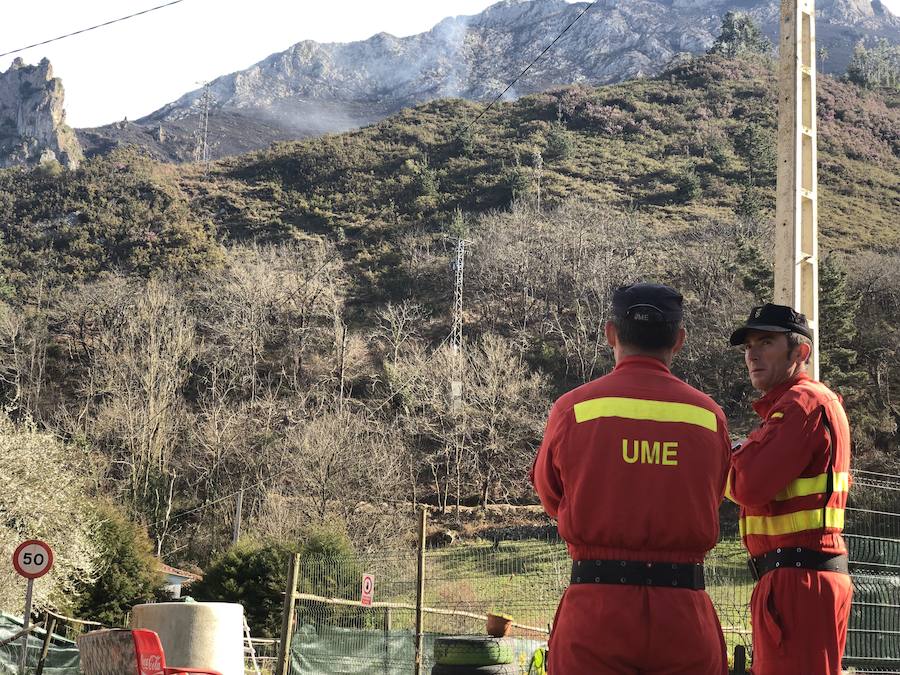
column 132, row 68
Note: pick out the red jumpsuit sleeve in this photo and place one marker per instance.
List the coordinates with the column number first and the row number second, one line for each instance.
column 725, row 440
column 545, row 473
column 773, row 455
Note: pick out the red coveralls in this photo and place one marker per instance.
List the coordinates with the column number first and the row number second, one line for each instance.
column 791, row 479
column 633, row 467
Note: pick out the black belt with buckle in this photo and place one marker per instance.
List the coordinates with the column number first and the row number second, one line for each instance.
column 796, row 557
column 639, row 573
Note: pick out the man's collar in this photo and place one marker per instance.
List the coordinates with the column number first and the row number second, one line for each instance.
column 642, row 362
column 763, row 405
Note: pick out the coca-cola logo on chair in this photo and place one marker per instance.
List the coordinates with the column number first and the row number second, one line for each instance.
column 151, row 664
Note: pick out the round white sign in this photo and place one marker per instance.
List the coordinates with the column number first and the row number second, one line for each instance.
column 33, row 559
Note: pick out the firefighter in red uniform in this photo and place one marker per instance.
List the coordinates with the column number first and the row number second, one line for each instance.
column 633, row 468
column 791, row 478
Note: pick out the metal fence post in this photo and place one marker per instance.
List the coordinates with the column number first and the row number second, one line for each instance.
column 420, row 592
column 287, row 618
column 387, row 640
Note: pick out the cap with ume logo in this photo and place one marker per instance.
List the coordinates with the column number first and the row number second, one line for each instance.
column 773, row 319
column 647, row 302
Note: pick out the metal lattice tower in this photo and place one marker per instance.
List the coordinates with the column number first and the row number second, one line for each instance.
column 201, row 151
column 456, row 332
column 456, row 336
column 796, row 234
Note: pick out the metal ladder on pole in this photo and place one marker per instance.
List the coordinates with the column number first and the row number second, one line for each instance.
column 796, row 211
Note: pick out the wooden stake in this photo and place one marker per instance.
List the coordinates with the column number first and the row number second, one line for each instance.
column 420, row 593
column 287, row 617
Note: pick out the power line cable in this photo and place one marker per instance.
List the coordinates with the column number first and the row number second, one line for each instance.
column 85, row 30
column 536, row 59
column 231, row 495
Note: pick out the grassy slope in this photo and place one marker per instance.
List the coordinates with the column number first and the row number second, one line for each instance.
column 670, row 147
column 633, row 143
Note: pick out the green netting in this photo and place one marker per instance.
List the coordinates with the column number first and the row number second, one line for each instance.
column 62, row 657
column 328, row 649
column 873, row 638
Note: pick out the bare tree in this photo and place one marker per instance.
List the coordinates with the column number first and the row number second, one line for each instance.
column 44, row 495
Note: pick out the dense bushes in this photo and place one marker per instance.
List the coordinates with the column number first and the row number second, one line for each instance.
column 127, row 572
column 255, row 575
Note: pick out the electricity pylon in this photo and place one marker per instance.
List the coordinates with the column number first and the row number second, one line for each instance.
column 456, row 331
column 201, row 150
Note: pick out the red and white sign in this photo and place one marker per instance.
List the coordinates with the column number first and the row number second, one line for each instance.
column 368, row 590
column 33, row 559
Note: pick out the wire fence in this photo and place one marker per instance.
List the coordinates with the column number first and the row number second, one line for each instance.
column 525, row 580
column 872, row 532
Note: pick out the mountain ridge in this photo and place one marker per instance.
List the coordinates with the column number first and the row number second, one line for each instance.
column 314, row 88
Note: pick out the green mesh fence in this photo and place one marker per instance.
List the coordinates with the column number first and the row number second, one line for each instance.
column 62, row 656
column 525, row 579
column 521, row 579
column 872, row 531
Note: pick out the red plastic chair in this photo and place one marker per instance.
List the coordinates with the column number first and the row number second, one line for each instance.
column 108, row 652
column 152, row 661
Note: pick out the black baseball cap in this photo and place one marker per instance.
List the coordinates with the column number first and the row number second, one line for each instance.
column 774, row 319
column 647, row 302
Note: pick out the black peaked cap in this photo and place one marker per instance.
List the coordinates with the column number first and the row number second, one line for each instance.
column 774, row 319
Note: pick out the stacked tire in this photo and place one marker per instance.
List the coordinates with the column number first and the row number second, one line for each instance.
column 473, row 655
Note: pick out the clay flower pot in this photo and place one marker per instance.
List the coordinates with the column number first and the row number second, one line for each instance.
column 498, row 625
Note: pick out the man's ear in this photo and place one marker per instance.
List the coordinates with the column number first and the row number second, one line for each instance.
column 679, row 340
column 612, row 335
column 805, row 352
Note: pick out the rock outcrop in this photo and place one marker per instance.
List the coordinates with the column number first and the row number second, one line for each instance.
column 314, row 88
column 32, row 119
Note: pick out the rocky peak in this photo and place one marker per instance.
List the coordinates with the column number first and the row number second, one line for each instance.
column 315, row 88
column 848, row 10
column 513, row 12
column 32, row 119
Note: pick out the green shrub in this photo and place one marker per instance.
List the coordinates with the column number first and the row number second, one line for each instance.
column 688, row 186
column 128, row 573
column 560, row 144
column 255, row 575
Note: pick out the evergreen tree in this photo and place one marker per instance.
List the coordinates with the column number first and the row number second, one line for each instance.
column 756, row 145
column 252, row 575
column 740, row 36
column 756, row 272
column 463, row 140
column 837, row 330
column 750, row 204
column 560, row 144
column 128, row 572
column 876, row 67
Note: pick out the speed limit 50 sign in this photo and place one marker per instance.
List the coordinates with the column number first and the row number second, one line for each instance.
column 33, row 559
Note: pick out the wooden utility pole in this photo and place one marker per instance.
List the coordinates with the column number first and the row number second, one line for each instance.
column 796, row 234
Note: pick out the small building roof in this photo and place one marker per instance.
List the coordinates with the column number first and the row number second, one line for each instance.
column 175, row 572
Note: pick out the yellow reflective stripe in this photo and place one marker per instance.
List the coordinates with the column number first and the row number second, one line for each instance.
column 728, row 494
column 641, row 409
column 776, row 415
column 842, row 482
column 788, row 523
column 814, row 485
